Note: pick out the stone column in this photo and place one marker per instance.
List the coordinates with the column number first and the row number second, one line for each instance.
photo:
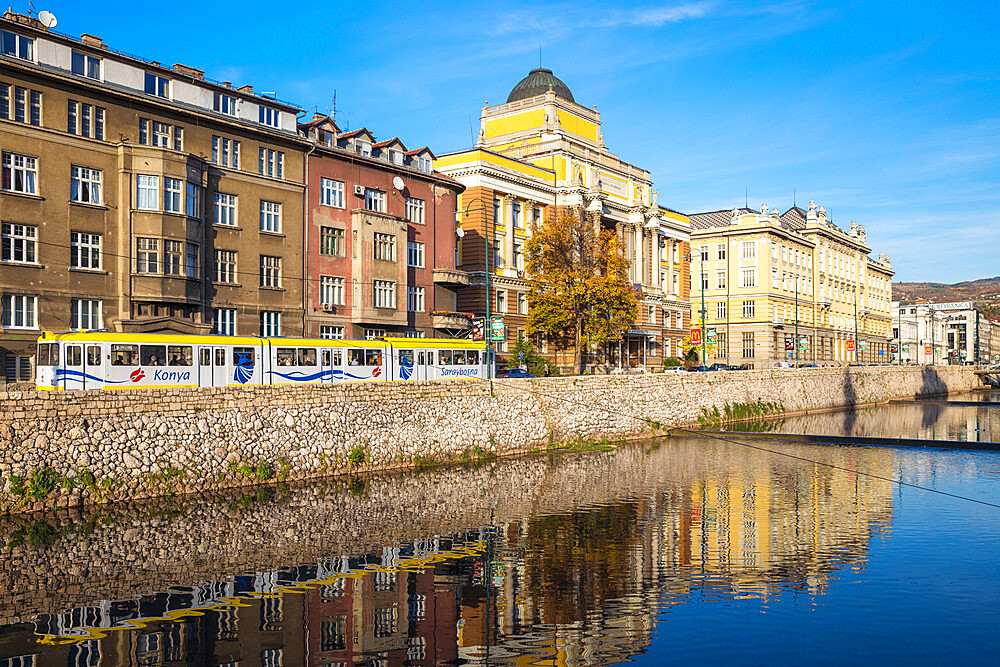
column 508, row 244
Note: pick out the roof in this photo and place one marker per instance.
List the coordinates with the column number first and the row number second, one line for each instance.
column 537, row 83
column 711, row 219
column 354, row 133
column 319, row 120
column 422, row 149
column 794, row 218
column 389, row 142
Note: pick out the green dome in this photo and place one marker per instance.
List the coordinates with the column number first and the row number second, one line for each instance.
column 538, row 82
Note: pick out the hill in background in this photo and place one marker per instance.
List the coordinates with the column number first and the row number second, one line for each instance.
column 985, row 292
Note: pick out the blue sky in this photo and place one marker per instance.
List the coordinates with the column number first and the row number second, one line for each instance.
column 887, row 113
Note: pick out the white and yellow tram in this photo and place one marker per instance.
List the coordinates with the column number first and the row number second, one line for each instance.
column 108, row 360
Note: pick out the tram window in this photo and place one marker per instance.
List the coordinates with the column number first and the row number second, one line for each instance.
column 205, row 356
column 152, row 355
column 286, row 356
column 373, row 357
column 220, row 356
column 444, row 357
column 74, row 355
column 357, row 357
column 420, row 357
column 472, row 357
column 43, row 355
column 124, row 355
column 458, row 357
column 406, row 357
column 242, row 356
column 179, row 355
column 307, row 356
column 326, row 357
column 338, row 357
column 93, row 355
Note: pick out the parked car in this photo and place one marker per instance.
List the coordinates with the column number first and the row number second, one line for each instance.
column 514, row 373
column 675, row 369
column 808, row 366
column 698, row 369
column 719, row 367
column 781, row 364
column 741, row 367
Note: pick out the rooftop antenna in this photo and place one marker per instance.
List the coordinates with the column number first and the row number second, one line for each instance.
column 746, row 197
column 472, row 135
column 539, row 55
column 793, row 197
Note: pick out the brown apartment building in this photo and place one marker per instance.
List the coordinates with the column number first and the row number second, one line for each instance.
column 381, row 238
column 139, row 197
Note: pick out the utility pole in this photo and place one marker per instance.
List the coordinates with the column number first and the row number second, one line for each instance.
column 857, row 343
column 796, row 321
column 703, row 278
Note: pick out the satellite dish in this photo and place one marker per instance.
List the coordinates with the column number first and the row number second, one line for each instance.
column 397, row 183
column 47, row 19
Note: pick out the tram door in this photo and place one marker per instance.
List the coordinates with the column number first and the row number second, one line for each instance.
column 73, row 370
column 93, row 377
column 219, row 368
column 326, row 359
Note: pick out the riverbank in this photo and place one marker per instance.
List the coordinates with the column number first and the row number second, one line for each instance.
column 69, row 449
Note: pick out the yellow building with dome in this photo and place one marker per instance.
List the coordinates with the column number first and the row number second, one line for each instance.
column 537, row 154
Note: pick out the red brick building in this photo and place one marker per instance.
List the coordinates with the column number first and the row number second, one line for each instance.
column 380, row 238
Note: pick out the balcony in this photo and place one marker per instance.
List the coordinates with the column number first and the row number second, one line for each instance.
column 443, row 319
column 451, row 278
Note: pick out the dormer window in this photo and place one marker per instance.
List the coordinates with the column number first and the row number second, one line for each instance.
column 225, row 104
column 18, row 46
column 326, row 138
column 424, row 164
column 269, row 116
column 395, row 157
column 363, row 148
column 157, row 85
column 87, row 66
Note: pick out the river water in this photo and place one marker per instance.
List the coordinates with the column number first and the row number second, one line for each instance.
column 676, row 549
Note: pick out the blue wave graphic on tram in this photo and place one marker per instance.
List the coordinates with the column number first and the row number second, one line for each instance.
column 78, row 376
column 336, row 374
column 244, row 367
column 405, row 371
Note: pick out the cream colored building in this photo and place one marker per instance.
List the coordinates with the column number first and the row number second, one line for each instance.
column 774, row 282
column 542, row 153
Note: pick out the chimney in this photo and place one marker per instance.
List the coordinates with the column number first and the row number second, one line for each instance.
column 245, row 89
column 227, row 84
column 90, row 40
column 318, row 116
column 189, row 71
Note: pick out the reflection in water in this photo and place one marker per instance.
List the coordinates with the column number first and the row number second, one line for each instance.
column 576, row 573
column 928, row 421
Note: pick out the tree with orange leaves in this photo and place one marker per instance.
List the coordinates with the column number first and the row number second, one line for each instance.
column 580, row 288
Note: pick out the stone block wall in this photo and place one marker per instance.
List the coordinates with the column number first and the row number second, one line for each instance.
column 64, row 449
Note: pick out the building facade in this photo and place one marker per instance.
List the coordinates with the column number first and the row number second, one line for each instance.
column 541, row 155
column 788, row 287
column 919, row 334
column 380, row 238
column 970, row 333
column 139, row 197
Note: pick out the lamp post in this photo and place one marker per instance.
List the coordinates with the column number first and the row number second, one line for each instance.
column 701, row 279
column 857, row 343
column 487, row 325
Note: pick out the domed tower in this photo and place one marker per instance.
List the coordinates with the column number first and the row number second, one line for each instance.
column 539, row 108
column 538, row 82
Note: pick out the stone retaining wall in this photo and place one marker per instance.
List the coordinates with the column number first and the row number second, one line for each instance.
column 65, row 449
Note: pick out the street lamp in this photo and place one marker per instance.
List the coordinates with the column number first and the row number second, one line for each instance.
column 702, row 278
column 487, row 325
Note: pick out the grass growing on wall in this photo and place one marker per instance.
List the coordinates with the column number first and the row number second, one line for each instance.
column 738, row 412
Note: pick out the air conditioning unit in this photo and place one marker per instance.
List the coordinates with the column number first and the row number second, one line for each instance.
column 359, row 190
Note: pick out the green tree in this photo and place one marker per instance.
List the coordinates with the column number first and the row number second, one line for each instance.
column 580, row 289
column 536, row 364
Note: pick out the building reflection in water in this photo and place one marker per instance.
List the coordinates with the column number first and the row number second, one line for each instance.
column 570, row 584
